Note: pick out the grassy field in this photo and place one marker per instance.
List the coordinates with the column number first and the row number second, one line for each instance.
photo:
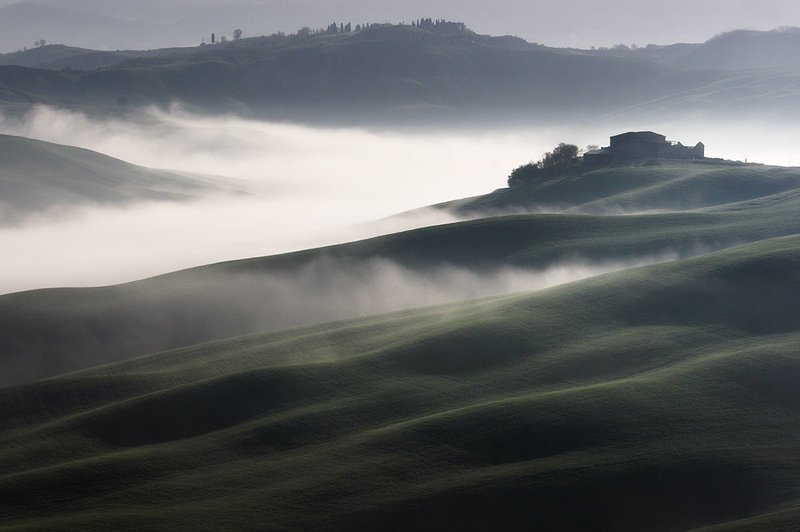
column 654, row 186
column 47, row 332
column 659, row 398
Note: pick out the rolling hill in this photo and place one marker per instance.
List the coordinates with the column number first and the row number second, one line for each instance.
column 660, row 398
column 652, row 186
column 414, row 74
column 60, row 57
column 38, row 178
column 48, row 332
column 747, row 49
column 383, row 67
column 498, row 373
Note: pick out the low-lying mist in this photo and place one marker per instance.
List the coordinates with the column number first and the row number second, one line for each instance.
column 309, row 186
column 155, row 315
column 328, row 289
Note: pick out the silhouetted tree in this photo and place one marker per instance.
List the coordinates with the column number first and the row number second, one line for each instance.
column 561, row 156
column 213, row 38
column 237, row 34
column 521, row 174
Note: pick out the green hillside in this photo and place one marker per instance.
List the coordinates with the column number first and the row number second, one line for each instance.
column 660, row 398
column 656, row 185
column 48, row 332
column 37, row 176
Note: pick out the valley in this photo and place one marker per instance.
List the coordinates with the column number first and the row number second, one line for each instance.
column 332, row 279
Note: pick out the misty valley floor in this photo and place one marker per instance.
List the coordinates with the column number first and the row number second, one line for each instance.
column 608, row 344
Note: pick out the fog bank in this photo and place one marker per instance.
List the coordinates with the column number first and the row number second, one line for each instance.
column 204, row 305
column 326, row 289
column 309, row 186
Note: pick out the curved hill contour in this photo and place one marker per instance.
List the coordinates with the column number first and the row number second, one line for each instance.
column 47, row 332
column 37, row 177
column 676, row 407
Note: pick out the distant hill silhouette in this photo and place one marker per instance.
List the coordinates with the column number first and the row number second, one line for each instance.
column 400, row 71
column 747, row 49
column 22, row 23
column 61, row 57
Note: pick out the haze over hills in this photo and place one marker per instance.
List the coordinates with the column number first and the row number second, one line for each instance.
column 734, row 50
column 47, row 332
column 37, row 178
column 25, row 22
column 22, row 23
column 610, row 343
column 676, row 408
column 405, row 73
column 570, row 23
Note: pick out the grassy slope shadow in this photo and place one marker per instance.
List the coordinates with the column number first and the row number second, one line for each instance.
column 658, row 398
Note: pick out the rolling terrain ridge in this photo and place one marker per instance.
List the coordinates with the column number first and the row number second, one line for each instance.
column 47, row 332
column 403, row 74
column 610, row 347
column 674, row 408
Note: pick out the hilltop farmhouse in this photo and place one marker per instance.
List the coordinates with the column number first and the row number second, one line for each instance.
column 642, row 145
